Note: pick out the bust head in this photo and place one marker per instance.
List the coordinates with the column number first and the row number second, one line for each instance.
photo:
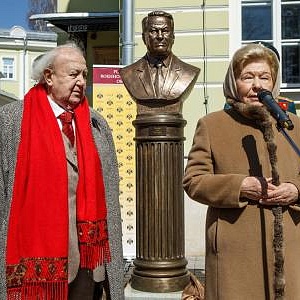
column 158, row 33
column 178, row 76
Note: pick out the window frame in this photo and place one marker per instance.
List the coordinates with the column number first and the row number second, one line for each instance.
column 236, row 41
column 6, row 68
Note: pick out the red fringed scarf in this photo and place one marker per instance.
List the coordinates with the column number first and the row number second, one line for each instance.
column 37, row 242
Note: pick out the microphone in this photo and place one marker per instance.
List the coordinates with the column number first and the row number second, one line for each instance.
column 266, row 98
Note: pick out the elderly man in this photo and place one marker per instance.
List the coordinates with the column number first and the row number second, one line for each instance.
column 59, row 208
column 159, row 74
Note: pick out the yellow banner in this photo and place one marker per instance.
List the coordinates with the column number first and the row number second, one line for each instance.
column 112, row 101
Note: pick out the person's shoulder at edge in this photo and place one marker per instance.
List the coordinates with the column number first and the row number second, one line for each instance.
column 10, row 117
column 11, row 109
column 287, row 104
column 283, row 98
column 215, row 116
column 12, row 105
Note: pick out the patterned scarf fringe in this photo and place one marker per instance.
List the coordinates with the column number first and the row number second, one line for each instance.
column 39, row 291
column 93, row 244
column 89, row 254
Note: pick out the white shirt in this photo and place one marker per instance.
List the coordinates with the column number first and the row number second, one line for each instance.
column 58, row 110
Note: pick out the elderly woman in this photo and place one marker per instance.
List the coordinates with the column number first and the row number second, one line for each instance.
column 243, row 168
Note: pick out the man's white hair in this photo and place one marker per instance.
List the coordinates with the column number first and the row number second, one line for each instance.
column 45, row 61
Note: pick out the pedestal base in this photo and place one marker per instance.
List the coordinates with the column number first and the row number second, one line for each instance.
column 132, row 294
column 160, row 285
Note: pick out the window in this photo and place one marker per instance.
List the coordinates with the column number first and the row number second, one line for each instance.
column 256, row 20
column 290, row 14
column 8, row 68
column 261, row 21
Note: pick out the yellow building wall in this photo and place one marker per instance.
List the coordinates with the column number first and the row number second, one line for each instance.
column 142, row 4
column 87, row 6
column 14, row 86
column 216, row 46
column 11, row 85
column 191, row 20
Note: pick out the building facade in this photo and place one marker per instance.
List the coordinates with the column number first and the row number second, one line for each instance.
column 18, row 50
column 207, row 33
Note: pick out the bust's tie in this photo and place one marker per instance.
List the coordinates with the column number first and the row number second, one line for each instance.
column 159, row 80
column 67, row 128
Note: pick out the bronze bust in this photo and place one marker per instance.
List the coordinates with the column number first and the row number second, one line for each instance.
column 159, row 75
column 159, row 82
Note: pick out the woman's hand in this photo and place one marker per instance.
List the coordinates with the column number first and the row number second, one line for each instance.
column 254, row 188
column 284, row 194
column 262, row 190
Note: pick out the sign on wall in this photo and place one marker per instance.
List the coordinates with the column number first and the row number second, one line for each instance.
column 112, row 101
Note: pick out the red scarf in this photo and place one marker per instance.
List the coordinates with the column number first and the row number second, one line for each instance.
column 37, row 242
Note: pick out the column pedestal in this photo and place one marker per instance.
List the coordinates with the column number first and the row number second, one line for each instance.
column 160, row 264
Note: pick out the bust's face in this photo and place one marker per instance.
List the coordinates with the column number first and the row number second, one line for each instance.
column 159, row 36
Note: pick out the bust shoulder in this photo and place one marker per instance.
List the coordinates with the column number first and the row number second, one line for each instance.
column 185, row 66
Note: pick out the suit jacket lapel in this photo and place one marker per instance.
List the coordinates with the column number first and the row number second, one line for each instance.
column 171, row 77
column 144, row 76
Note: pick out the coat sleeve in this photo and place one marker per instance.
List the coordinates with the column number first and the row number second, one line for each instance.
column 105, row 144
column 10, row 122
column 2, row 188
column 2, row 169
column 2, row 213
column 296, row 178
column 200, row 181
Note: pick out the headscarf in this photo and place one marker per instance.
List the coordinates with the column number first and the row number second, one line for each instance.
column 255, row 52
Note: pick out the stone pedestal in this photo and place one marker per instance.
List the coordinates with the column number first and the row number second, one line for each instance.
column 160, row 264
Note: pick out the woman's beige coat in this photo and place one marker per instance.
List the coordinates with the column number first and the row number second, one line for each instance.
column 239, row 255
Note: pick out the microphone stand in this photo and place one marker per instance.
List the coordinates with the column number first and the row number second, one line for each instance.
column 288, row 138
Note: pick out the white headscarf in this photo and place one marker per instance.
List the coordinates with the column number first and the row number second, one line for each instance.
column 229, row 85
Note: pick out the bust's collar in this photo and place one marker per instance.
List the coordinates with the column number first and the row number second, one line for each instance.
column 153, row 61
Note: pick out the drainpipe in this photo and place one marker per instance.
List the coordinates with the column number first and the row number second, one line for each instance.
column 127, row 34
column 24, row 63
column 18, row 32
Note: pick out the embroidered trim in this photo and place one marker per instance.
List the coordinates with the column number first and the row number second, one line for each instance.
column 92, row 232
column 93, row 244
column 37, row 270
